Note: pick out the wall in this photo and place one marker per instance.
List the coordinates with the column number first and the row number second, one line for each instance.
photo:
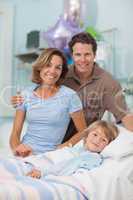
column 38, row 15
column 102, row 14
column 118, row 14
column 31, row 15
column 6, row 38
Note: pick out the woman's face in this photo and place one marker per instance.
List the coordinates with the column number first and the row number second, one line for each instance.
column 96, row 140
column 51, row 72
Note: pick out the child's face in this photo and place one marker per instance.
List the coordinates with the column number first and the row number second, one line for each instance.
column 96, row 140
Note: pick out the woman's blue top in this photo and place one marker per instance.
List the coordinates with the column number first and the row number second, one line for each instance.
column 48, row 119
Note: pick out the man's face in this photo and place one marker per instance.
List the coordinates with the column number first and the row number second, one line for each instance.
column 83, row 57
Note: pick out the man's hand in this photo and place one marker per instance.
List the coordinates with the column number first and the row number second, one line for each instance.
column 34, row 173
column 23, row 150
column 16, row 100
column 66, row 144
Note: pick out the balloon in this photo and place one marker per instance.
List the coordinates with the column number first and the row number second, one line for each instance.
column 72, row 10
column 93, row 32
column 68, row 56
column 59, row 35
column 80, row 12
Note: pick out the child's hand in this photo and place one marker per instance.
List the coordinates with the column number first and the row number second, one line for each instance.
column 34, row 173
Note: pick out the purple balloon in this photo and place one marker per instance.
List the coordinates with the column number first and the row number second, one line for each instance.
column 59, row 35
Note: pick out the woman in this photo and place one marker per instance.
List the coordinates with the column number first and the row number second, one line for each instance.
column 49, row 108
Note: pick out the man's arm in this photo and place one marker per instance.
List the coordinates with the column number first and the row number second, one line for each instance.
column 127, row 121
column 115, row 102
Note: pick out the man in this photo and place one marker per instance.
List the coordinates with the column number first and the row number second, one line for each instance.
column 98, row 90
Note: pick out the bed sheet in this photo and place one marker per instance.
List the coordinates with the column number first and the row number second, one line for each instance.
column 29, row 189
column 15, row 186
column 113, row 180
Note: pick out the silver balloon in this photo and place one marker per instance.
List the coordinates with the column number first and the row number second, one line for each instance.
column 72, row 11
column 67, row 25
column 59, row 35
column 81, row 12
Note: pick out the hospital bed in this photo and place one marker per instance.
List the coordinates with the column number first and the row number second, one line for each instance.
column 113, row 180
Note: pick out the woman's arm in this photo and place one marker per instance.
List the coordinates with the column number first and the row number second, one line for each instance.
column 17, row 128
column 15, row 143
column 80, row 124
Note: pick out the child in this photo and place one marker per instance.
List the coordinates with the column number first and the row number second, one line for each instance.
column 84, row 155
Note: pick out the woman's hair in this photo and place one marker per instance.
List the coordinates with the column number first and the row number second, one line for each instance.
column 84, row 38
column 43, row 60
column 109, row 129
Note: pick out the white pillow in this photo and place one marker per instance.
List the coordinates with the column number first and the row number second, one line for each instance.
column 121, row 147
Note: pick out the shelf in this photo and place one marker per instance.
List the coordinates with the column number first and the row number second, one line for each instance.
column 29, row 56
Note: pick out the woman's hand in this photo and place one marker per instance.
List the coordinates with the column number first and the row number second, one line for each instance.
column 34, row 173
column 23, row 150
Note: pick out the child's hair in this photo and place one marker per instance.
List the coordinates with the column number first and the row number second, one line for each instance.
column 109, row 129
